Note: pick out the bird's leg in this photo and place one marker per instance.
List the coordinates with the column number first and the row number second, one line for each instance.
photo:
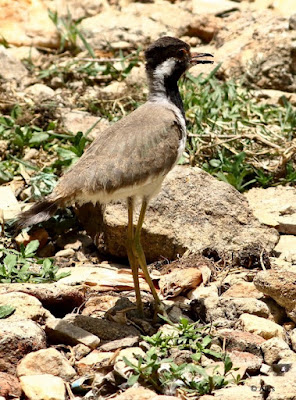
column 139, row 253
column 134, row 264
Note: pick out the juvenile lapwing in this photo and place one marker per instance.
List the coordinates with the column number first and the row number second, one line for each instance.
column 130, row 159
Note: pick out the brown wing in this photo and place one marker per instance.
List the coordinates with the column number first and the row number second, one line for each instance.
column 143, row 143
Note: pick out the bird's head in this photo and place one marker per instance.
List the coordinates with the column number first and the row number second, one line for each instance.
column 171, row 57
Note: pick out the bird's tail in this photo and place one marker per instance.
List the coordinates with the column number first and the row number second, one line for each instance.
column 39, row 212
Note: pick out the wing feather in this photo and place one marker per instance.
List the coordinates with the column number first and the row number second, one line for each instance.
column 143, row 144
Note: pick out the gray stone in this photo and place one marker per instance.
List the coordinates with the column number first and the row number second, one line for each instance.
column 43, row 387
column 195, row 212
column 62, row 331
column 17, row 339
column 11, row 67
column 46, row 361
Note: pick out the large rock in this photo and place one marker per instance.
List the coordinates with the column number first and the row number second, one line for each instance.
column 17, row 339
column 138, row 24
column 281, row 286
column 26, row 22
column 259, row 46
column 195, row 212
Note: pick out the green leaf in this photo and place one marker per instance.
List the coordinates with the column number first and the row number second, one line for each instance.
column 6, row 310
column 133, row 379
column 31, row 248
column 38, row 138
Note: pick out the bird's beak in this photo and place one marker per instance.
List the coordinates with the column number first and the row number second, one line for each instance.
column 198, row 58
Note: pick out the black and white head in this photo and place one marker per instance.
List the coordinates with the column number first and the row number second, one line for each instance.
column 166, row 61
column 171, row 57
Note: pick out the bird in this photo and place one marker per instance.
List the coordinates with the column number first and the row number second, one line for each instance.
column 130, row 159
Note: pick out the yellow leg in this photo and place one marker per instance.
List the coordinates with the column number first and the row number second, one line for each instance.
column 131, row 257
column 139, row 253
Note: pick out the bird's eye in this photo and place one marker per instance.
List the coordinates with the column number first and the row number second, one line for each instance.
column 182, row 53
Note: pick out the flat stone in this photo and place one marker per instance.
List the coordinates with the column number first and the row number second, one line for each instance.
column 43, row 387
column 62, row 331
column 261, row 326
column 46, row 361
column 102, row 328
column 17, row 339
column 120, row 343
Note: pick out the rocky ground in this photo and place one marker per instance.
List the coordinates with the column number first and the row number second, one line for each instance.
column 223, row 262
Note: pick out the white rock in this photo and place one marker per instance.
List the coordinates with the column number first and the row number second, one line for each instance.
column 261, row 326
column 40, row 92
column 46, row 361
column 43, row 387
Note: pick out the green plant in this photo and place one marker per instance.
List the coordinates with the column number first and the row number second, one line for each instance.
column 22, row 266
column 157, row 367
column 69, row 32
column 6, row 311
column 235, row 137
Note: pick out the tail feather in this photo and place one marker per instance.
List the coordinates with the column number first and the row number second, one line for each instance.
column 39, row 212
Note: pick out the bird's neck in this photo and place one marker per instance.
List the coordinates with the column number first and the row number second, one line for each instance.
column 164, row 88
